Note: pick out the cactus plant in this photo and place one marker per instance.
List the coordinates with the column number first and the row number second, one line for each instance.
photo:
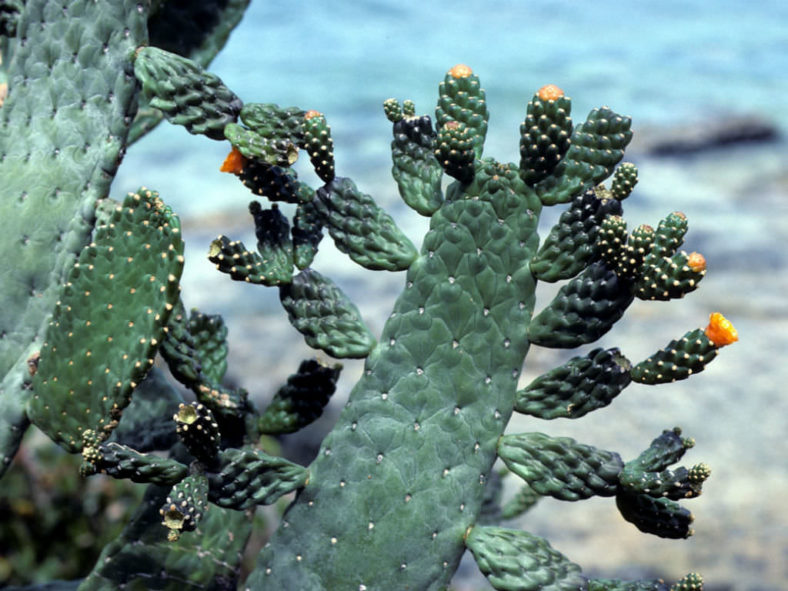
column 405, row 482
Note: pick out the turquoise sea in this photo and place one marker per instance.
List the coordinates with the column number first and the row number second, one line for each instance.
column 667, row 64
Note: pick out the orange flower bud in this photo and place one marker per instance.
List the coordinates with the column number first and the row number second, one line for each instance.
column 696, row 262
column 720, row 331
column 550, row 92
column 312, row 114
column 234, row 162
column 460, row 71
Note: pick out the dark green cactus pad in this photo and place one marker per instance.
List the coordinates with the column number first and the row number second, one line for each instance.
column 571, row 243
column 109, row 321
column 274, row 182
column 264, row 151
column 79, row 128
column 196, row 30
column 321, row 312
column 658, row 516
column 301, row 400
column 625, row 253
column 544, row 135
column 10, row 11
column 624, row 180
column 597, row 146
column 663, row 451
column 677, row 484
column 198, row 430
column 178, row 348
column 581, row 385
column 307, row 233
column 185, row 506
column 415, row 169
column 669, row 278
column 120, row 461
column 583, row 310
column 362, row 229
column 669, row 236
column 691, row 582
column 207, row 559
column 561, row 467
column 620, row 585
column 461, row 98
column 240, row 263
column 273, row 242
column 519, row 561
column 225, row 403
column 319, row 145
column 273, row 122
column 520, row 503
column 185, row 92
column 146, row 423
column 209, row 339
column 250, row 477
column 678, row 360
column 454, row 151
column 648, row 473
column 612, row 248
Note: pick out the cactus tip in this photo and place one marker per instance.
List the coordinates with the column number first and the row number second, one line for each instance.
column 550, row 92
column 311, row 114
column 696, row 262
column 234, row 162
column 460, row 71
column 720, row 330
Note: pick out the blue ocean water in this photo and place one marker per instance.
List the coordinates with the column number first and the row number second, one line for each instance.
column 665, row 64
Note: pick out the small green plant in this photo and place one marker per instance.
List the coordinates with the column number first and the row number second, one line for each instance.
column 405, row 483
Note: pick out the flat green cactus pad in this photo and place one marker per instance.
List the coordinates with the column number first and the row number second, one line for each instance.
column 519, row 561
column 320, row 311
column 415, row 168
column 302, row 399
column 576, row 388
column 108, row 322
column 185, row 93
column 249, row 477
column 361, row 228
column 59, row 150
column 597, row 146
column 561, row 467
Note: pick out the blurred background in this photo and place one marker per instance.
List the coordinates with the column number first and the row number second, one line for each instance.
column 705, row 84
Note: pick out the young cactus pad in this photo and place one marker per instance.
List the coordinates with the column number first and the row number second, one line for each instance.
column 394, row 497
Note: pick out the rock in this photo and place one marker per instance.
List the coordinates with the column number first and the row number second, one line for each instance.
column 705, row 136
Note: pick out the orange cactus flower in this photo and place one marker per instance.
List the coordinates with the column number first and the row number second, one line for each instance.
column 460, row 71
column 720, row 331
column 234, row 162
column 312, row 114
column 696, row 262
column 550, row 92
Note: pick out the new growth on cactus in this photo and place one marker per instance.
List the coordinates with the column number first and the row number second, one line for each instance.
column 405, row 483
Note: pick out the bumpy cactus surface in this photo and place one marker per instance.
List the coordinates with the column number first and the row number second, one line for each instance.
column 405, row 482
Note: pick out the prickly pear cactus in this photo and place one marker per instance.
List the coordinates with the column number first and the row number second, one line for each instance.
column 404, row 484
column 62, row 132
column 401, row 487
